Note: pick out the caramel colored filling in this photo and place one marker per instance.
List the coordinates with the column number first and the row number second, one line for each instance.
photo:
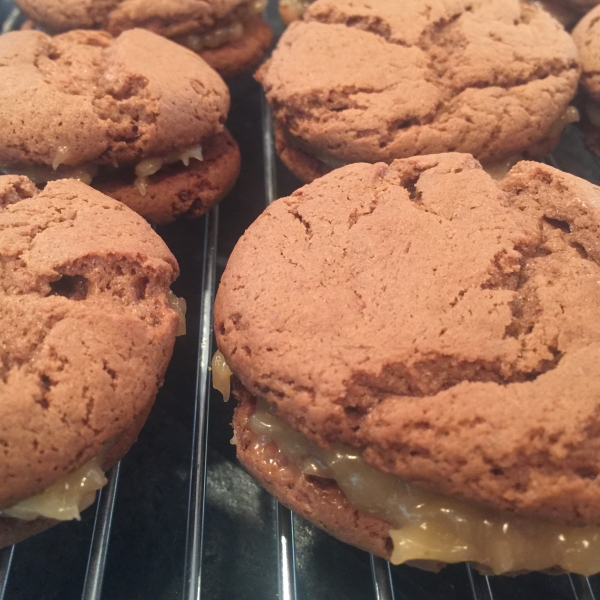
column 221, row 375
column 179, row 305
column 150, row 166
column 219, row 36
column 298, row 7
column 213, row 38
column 427, row 526
column 85, row 173
column 63, row 500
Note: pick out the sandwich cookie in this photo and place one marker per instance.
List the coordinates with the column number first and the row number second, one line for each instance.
column 414, row 348
column 230, row 35
column 372, row 80
column 87, row 329
column 565, row 11
column 86, row 105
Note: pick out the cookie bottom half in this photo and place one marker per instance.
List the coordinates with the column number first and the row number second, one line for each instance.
column 316, row 499
column 179, row 191
column 340, row 492
column 235, row 57
column 13, row 530
column 308, row 164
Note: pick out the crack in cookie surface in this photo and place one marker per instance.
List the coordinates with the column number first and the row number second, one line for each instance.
column 420, row 78
column 87, row 329
column 413, row 310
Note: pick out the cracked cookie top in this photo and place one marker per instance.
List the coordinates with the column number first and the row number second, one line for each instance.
column 167, row 17
column 85, row 97
column 444, row 323
column 86, row 328
column 373, row 80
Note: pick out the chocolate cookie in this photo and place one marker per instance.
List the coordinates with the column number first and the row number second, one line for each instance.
column 372, row 80
column 87, row 330
column 420, row 334
column 84, row 104
column 229, row 34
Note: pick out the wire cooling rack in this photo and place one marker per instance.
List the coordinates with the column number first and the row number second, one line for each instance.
column 179, row 519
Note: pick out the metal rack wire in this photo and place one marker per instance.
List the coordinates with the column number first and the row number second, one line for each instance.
column 383, row 584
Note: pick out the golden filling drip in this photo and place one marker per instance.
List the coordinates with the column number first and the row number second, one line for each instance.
column 298, row 7
column 41, row 174
column 427, row 526
column 150, row 166
column 221, row 375
column 179, row 305
column 63, row 500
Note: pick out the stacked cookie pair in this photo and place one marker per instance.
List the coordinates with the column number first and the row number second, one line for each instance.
column 85, row 105
column 88, row 320
column 375, row 81
column 230, row 35
column 565, row 11
column 412, row 343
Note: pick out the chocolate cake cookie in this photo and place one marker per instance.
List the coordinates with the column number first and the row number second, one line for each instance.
column 229, row 34
column 86, row 105
column 86, row 332
column 415, row 349
column 566, row 12
column 372, row 80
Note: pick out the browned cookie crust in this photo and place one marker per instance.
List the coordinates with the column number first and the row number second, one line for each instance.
column 377, row 80
column 179, row 191
column 86, row 329
column 316, row 499
column 234, row 58
column 439, row 321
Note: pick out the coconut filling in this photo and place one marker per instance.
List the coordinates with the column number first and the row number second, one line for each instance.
column 423, row 525
column 179, row 305
column 219, row 36
column 41, row 174
column 298, row 7
column 150, row 166
column 64, row 500
column 496, row 169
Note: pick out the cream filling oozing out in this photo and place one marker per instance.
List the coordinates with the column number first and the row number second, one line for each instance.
column 150, row 166
column 297, row 6
column 219, row 36
column 85, row 173
column 221, row 375
column 497, row 169
column 63, row 500
column 427, row 526
column 179, row 305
